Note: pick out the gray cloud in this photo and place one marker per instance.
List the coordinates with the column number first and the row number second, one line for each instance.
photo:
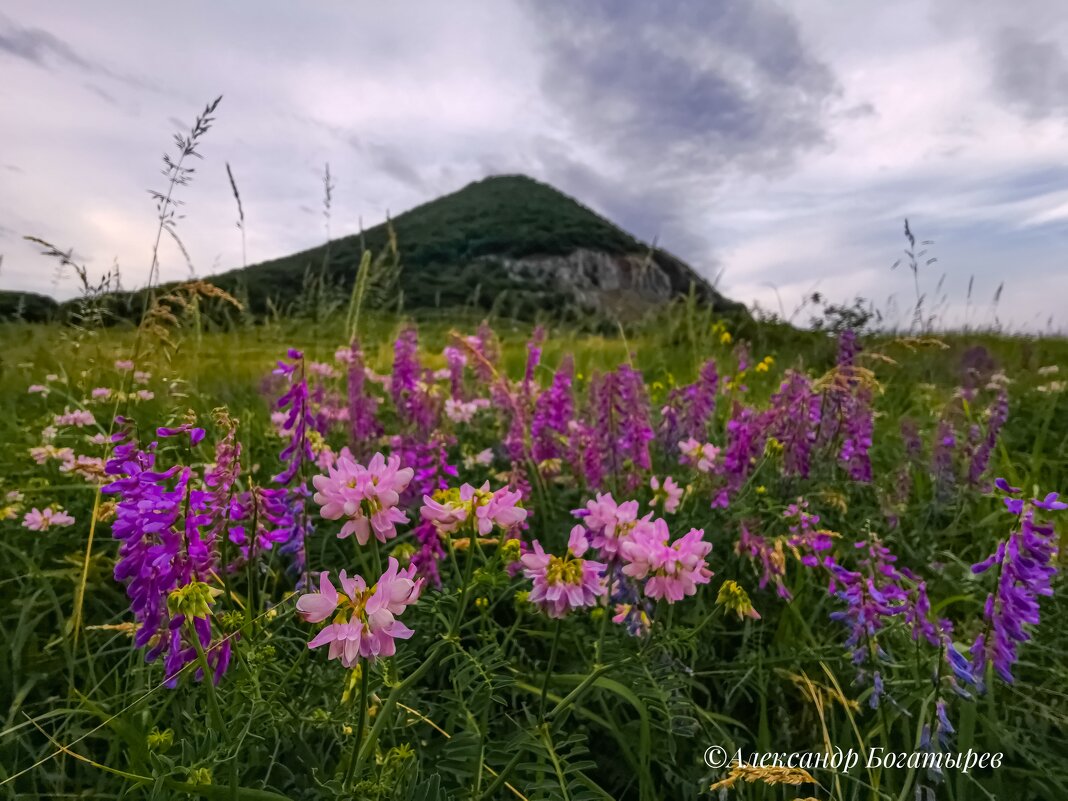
column 649, row 212
column 1030, row 74
column 670, row 100
column 783, row 140
column 39, row 47
column 694, row 85
column 47, row 51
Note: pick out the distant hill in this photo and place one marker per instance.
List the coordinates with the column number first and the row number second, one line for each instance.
column 506, row 243
column 506, row 240
column 28, row 307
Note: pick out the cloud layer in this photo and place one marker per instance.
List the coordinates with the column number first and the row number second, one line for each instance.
column 778, row 144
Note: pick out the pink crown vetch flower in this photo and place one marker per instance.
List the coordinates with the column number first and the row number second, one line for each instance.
column 364, row 619
column 672, row 570
column 367, row 497
column 611, row 524
column 485, row 509
column 702, row 456
column 38, row 520
column 668, row 493
column 563, row 583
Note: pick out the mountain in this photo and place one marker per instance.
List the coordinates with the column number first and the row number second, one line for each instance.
column 506, row 242
column 26, row 306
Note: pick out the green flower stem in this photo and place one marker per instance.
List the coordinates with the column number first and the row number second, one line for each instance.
column 391, row 701
column 376, row 557
column 572, row 697
column 454, row 629
column 213, row 701
column 549, row 669
column 503, row 775
column 609, row 572
column 360, row 725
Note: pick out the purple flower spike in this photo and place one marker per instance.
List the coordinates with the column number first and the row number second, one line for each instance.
column 1050, row 503
column 196, row 435
column 1004, row 486
column 1026, row 567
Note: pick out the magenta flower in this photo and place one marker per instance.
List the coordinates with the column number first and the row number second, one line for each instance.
column 464, row 411
column 672, row 570
column 367, row 496
column 446, row 516
column 365, row 624
column 703, row 457
column 322, row 369
column 563, row 583
column 612, row 523
column 79, row 418
column 37, row 520
column 668, row 494
column 481, row 507
column 501, row 510
column 124, row 365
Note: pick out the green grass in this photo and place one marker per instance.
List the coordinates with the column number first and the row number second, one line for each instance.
column 637, row 730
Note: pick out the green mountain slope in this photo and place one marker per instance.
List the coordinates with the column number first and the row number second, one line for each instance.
column 452, row 249
column 506, row 243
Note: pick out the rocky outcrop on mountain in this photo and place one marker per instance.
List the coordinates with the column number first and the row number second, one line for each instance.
column 612, row 282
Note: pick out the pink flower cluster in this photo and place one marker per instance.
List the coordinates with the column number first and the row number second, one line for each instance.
column 367, row 497
column 612, row 524
column 672, row 570
column 700, row 456
column 464, row 411
column 481, row 507
column 37, row 520
column 668, row 493
column 43, row 453
column 79, row 417
column 563, row 583
column 365, row 624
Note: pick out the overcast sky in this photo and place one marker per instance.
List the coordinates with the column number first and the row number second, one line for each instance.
column 778, row 146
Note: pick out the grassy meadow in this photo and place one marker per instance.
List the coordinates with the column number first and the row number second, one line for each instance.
column 842, row 487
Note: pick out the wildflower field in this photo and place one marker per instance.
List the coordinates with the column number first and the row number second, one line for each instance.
column 404, row 559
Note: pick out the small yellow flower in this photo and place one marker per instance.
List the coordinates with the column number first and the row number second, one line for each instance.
column 106, row 511
column 192, row 600
column 510, row 551
column 160, row 740
column 761, row 490
column 725, row 338
column 403, row 553
column 734, row 598
column 482, row 603
column 199, row 776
